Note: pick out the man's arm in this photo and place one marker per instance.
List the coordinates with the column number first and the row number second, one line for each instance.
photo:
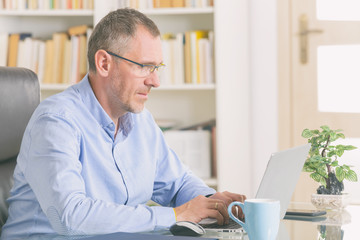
column 187, row 193
column 52, row 168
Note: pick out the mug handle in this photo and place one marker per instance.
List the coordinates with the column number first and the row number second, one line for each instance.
column 240, row 204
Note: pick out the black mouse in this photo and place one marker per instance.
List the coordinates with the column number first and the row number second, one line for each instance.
column 186, row 228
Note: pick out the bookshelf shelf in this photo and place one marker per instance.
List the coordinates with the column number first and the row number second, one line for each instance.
column 186, row 87
column 47, row 13
column 178, row 11
column 183, row 87
column 54, row 87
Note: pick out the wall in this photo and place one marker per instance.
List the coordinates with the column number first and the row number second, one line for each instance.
column 233, row 96
column 255, row 133
column 264, row 85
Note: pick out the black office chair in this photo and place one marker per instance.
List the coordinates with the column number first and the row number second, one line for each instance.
column 19, row 96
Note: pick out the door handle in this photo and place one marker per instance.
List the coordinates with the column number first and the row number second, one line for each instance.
column 303, row 39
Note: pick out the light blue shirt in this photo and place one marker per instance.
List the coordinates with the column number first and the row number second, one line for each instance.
column 73, row 176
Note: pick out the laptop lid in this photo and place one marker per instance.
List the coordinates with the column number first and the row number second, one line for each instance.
column 282, row 174
column 279, row 181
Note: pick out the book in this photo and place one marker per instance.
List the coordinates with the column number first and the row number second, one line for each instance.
column 195, row 36
column 213, row 152
column 202, row 60
column 76, row 4
column 178, row 3
column 187, row 58
column 33, row 4
column 193, row 149
column 34, row 55
column 59, row 39
column 41, row 63
column 75, row 59
column 210, row 126
column 78, row 30
column 24, row 53
column 162, row 4
column 4, row 40
column 67, row 62
column 49, row 62
column 82, row 57
column 13, row 49
column 179, row 70
column 206, row 62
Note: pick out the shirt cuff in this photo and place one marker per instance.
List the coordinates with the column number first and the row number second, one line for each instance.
column 165, row 217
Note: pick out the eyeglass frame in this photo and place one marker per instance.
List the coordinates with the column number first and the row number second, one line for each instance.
column 155, row 67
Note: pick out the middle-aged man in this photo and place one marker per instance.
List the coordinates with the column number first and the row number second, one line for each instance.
column 92, row 156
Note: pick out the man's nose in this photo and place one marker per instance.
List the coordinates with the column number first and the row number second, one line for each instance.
column 153, row 80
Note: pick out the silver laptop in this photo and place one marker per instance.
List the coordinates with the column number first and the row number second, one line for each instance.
column 279, row 181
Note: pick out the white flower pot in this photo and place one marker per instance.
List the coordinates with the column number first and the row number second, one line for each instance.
column 330, row 202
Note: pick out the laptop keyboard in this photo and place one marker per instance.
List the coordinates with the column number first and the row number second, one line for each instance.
column 231, row 225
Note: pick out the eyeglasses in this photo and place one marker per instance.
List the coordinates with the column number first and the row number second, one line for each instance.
column 142, row 70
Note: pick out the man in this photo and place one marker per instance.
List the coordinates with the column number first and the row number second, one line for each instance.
column 92, row 156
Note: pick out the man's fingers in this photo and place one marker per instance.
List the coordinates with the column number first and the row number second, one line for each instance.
column 235, row 211
column 235, row 196
column 217, row 215
column 221, row 208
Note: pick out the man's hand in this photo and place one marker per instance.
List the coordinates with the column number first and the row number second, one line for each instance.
column 228, row 198
column 213, row 207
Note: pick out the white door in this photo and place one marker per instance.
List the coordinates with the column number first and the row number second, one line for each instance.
column 323, row 78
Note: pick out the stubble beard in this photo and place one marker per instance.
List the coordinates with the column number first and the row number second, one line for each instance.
column 126, row 106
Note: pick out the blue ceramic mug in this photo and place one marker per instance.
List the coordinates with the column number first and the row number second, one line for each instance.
column 262, row 218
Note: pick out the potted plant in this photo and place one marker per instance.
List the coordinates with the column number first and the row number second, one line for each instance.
column 323, row 166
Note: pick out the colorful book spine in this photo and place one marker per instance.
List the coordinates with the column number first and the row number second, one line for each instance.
column 188, row 58
column 46, row 4
column 59, row 60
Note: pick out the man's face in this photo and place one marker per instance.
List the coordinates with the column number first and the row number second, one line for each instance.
column 129, row 91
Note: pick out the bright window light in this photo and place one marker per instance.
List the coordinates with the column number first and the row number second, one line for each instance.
column 338, row 78
column 338, row 10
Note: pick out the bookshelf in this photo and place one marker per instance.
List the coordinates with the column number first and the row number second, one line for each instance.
column 226, row 100
column 49, row 13
column 184, row 87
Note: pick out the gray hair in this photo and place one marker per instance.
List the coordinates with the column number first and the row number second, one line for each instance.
column 115, row 30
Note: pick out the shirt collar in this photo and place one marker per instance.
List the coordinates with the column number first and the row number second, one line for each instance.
column 88, row 97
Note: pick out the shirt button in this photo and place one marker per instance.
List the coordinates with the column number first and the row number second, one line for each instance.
column 112, row 126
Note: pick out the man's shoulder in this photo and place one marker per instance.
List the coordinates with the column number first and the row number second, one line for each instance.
column 61, row 104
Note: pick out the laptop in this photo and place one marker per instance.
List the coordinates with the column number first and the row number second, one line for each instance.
column 279, row 181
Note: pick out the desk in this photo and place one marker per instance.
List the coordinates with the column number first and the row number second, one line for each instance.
column 344, row 225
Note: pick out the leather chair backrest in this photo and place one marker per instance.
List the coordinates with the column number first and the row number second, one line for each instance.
column 19, row 96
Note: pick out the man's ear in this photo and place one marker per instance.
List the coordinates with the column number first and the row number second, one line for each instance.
column 103, row 62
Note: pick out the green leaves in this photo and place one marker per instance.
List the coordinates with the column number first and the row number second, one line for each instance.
column 340, row 173
column 344, row 172
column 351, row 176
column 307, row 133
column 324, row 157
